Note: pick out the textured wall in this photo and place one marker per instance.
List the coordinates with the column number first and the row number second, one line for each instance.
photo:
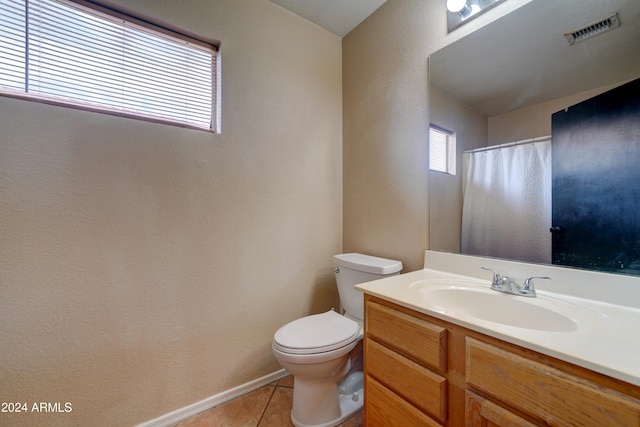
column 386, row 124
column 470, row 127
column 533, row 121
column 145, row 267
column 385, row 129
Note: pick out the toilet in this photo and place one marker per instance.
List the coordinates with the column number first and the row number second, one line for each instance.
column 324, row 351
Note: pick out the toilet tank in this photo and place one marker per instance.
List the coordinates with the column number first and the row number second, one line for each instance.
column 352, row 269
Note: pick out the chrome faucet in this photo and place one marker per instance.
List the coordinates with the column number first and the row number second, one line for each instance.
column 508, row 285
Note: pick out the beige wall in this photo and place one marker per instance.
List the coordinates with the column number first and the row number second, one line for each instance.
column 534, row 121
column 386, row 123
column 145, row 267
column 445, row 190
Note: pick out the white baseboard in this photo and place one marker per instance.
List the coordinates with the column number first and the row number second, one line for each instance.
column 213, row 401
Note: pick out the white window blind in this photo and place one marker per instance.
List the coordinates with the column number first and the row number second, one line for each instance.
column 61, row 51
column 442, row 150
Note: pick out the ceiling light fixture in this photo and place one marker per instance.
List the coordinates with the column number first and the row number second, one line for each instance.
column 461, row 7
column 456, row 5
column 475, row 6
column 462, row 11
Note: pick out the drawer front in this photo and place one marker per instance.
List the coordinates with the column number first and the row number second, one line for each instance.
column 417, row 338
column 481, row 412
column 545, row 392
column 424, row 389
column 383, row 408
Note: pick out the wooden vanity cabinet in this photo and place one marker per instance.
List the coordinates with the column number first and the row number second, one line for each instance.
column 422, row 371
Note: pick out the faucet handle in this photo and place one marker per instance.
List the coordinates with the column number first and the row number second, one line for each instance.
column 527, row 288
column 497, row 278
column 528, row 284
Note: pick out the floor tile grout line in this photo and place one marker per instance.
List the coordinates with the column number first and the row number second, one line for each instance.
column 264, row 411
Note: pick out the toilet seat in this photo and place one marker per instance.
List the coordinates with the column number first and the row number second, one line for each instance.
column 317, row 333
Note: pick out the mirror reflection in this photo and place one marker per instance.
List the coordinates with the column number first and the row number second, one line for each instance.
column 512, row 84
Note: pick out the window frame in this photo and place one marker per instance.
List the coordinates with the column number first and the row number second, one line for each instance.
column 449, row 150
column 164, row 29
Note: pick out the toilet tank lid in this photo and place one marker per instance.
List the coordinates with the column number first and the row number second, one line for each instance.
column 368, row 263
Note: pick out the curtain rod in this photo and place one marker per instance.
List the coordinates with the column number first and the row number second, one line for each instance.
column 510, row 144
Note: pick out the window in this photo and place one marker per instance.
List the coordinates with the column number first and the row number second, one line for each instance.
column 78, row 54
column 442, row 150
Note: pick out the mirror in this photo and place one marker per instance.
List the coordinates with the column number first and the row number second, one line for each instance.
column 501, row 84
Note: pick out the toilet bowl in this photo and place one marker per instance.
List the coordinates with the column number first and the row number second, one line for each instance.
column 316, row 351
column 324, row 351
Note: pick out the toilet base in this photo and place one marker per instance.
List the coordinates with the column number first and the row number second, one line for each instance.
column 349, row 406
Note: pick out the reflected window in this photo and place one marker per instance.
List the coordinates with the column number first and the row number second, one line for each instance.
column 442, row 150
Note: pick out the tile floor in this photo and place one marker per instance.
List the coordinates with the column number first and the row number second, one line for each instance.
column 269, row 406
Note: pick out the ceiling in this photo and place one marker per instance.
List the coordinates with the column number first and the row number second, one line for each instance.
column 524, row 58
column 520, row 59
column 337, row 16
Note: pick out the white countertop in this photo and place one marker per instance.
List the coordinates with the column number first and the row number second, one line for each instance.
column 607, row 339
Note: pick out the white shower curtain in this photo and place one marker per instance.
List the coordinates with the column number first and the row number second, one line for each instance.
column 506, row 209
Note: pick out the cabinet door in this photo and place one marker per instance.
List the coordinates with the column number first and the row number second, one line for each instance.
column 544, row 392
column 384, row 408
column 484, row 413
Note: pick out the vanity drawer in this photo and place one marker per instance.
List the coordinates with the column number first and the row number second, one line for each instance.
column 544, row 392
column 417, row 338
column 418, row 385
column 383, row 408
column 483, row 412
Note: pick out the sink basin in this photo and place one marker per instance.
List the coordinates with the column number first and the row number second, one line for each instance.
column 469, row 299
column 500, row 308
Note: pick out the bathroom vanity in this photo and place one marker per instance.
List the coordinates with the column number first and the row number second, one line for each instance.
column 432, row 358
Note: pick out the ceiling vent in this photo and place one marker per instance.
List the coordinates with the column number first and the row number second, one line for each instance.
column 593, row 29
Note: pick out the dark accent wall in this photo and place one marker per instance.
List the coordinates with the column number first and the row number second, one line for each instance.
column 596, row 182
